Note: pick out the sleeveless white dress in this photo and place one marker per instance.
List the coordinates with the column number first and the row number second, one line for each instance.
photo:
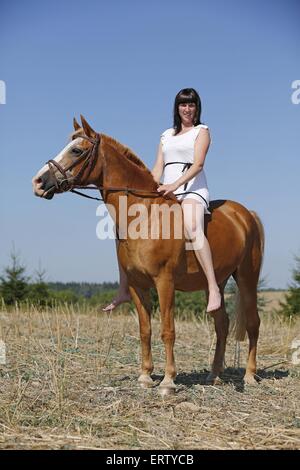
column 178, row 153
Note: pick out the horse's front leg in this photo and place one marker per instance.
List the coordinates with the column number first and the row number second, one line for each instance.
column 141, row 298
column 166, row 294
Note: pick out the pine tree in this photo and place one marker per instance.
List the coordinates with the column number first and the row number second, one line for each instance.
column 14, row 283
column 39, row 293
column 290, row 307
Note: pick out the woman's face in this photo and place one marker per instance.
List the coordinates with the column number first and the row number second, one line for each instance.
column 187, row 113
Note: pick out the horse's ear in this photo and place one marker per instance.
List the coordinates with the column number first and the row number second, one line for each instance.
column 87, row 128
column 75, row 124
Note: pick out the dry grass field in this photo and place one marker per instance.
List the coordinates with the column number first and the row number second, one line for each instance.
column 70, row 382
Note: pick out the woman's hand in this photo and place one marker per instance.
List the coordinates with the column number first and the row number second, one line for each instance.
column 167, row 188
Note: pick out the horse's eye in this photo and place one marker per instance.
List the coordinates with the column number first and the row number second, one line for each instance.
column 77, row 151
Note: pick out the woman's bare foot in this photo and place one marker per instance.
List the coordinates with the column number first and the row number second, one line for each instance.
column 214, row 300
column 120, row 299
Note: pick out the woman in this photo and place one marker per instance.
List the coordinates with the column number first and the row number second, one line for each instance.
column 181, row 155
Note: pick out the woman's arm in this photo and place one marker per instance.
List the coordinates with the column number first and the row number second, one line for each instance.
column 201, row 147
column 158, row 168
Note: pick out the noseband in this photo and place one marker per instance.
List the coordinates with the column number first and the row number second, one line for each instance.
column 89, row 157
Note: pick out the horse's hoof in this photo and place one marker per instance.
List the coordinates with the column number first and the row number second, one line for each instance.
column 213, row 379
column 166, row 391
column 249, row 379
column 167, row 387
column 145, row 381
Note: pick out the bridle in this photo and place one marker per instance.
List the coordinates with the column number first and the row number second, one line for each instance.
column 89, row 157
column 69, row 183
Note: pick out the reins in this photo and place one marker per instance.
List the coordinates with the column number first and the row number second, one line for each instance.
column 72, row 183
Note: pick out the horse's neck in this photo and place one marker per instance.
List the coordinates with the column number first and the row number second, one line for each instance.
column 122, row 172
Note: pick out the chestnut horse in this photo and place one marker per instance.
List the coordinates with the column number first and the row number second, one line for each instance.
column 235, row 235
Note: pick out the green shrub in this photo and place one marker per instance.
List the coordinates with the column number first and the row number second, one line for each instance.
column 14, row 283
column 290, row 307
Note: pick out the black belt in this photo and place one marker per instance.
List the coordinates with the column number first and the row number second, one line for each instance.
column 186, row 166
column 193, row 192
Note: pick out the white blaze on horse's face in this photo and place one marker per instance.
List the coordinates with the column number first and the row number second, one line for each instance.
column 40, row 184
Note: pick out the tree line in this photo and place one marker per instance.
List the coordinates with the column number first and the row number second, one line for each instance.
column 17, row 287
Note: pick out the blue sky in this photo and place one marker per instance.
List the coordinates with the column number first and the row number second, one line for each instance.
column 120, row 64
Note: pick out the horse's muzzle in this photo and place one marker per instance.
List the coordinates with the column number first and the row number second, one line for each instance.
column 44, row 185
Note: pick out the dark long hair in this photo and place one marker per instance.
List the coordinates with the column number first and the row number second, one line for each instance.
column 186, row 95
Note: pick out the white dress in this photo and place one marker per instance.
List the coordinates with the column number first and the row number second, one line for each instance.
column 178, row 153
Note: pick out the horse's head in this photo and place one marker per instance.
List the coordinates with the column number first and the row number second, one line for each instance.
column 74, row 166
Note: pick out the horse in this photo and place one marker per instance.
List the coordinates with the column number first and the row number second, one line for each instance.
column 235, row 235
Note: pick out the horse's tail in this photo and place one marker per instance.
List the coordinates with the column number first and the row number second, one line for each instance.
column 261, row 236
column 240, row 320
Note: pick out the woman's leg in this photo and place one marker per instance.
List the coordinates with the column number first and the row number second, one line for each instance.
column 193, row 212
column 123, row 294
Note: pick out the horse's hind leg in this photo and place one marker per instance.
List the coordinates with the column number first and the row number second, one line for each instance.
column 221, row 328
column 247, row 314
column 142, row 302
